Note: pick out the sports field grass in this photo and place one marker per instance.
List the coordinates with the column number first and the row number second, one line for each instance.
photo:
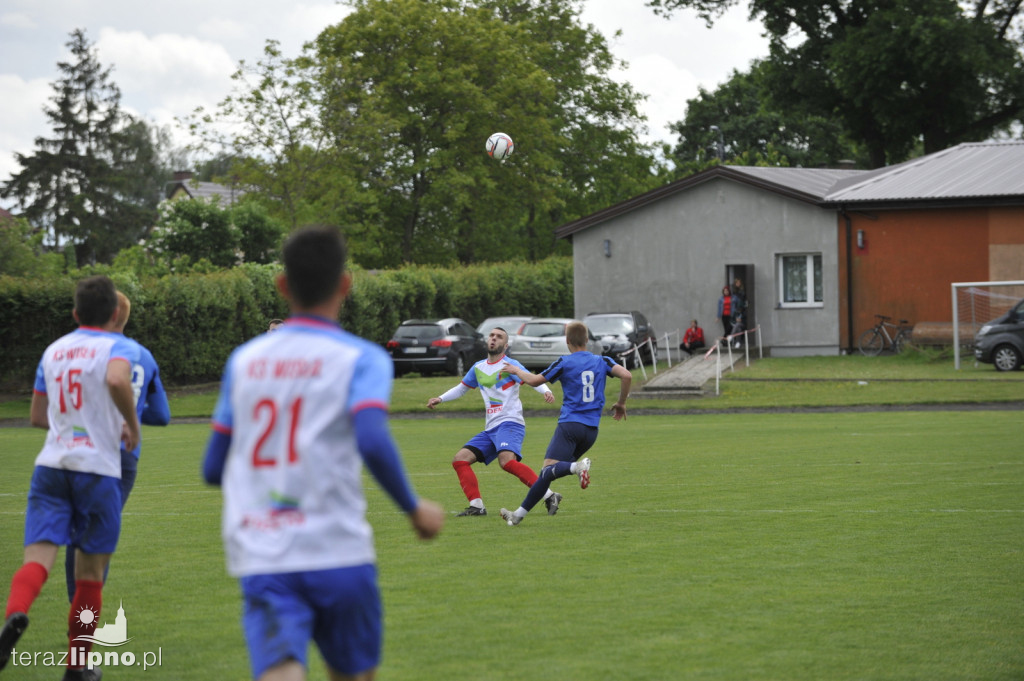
column 914, row 377
column 718, row 546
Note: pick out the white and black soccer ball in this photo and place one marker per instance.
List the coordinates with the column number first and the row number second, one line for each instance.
column 500, row 146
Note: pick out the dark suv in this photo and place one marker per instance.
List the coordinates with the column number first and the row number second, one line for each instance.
column 1001, row 341
column 436, row 345
column 620, row 331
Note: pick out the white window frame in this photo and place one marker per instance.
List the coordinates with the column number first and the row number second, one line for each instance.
column 781, row 291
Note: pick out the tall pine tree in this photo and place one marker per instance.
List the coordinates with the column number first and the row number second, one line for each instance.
column 90, row 185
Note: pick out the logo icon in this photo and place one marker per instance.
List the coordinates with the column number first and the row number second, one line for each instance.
column 111, row 635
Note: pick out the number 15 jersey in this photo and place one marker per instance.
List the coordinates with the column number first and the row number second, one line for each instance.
column 293, row 496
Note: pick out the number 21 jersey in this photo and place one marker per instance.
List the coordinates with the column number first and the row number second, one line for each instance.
column 293, row 497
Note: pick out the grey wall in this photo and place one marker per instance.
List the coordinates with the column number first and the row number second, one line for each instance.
column 668, row 260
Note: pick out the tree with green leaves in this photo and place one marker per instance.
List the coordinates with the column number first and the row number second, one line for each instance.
column 189, row 231
column 91, row 183
column 380, row 126
column 22, row 253
column 270, row 136
column 751, row 128
column 896, row 74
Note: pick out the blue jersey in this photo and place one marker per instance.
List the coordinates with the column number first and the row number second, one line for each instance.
column 150, row 398
column 582, row 375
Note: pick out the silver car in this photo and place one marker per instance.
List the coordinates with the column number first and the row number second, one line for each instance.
column 510, row 324
column 542, row 340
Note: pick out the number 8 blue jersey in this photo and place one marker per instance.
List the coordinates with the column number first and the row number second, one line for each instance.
column 582, row 375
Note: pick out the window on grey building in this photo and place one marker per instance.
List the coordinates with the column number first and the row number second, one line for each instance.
column 800, row 280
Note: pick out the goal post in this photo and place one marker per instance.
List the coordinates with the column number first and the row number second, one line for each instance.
column 978, row 302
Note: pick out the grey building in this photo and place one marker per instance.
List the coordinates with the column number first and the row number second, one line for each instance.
column 668, row 253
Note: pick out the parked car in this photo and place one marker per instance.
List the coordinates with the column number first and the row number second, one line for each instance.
column 1001, row 341
column 620, row 331
column 510, row 324
column 541, row 341
column 436, row 345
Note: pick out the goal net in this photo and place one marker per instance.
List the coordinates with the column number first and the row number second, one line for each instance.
column 975, row 303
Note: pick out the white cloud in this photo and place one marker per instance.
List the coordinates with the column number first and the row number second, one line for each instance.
column 166, row 75
column 21, row 110
column 667, row 86
column 304, row 22
column 17, row 20
column 219, row 29
column 162, row 61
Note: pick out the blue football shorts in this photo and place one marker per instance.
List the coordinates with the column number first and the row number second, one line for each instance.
column 504, row 436
column 70, row 507
column 339, row 609
column 571, row 441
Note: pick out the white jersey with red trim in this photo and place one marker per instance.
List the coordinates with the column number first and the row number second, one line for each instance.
column 293, row 496
column 85, row 425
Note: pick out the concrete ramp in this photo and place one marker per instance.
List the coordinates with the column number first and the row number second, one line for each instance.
column 684, row 380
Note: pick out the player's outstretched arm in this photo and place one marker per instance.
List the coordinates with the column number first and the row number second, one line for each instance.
column 449, row 395
column 525, row 376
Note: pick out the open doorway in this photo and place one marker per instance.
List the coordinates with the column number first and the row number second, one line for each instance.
column 740, row 278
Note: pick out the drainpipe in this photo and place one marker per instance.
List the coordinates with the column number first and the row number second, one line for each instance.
column 849, row 278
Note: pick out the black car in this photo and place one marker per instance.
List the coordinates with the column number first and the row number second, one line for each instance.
column 620, row 331
column 1001, row 341
column 448, row 346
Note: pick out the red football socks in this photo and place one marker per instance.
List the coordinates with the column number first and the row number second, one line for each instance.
column 25, row 587
column 521, row 471
column 467, row 478
column 82, row 620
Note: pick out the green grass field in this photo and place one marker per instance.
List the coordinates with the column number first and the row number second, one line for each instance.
column 717, row 546
column 849, row 380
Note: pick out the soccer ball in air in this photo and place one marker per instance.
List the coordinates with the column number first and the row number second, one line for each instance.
column 500, row 146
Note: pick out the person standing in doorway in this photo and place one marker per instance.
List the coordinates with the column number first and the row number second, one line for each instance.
column 726, row 310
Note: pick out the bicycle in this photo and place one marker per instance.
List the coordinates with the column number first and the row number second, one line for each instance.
column 875, row 339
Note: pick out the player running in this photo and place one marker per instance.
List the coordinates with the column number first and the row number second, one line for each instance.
column 152, row 408
column 504, row 427
column 301, row 410
column 83, row 397
column 582, row 375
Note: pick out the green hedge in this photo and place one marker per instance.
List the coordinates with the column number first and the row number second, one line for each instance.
column 192, row 322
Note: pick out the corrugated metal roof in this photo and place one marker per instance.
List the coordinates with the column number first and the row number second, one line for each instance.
column 967, row 171
column 812, row 181
column 975, row 173
column 802, row 184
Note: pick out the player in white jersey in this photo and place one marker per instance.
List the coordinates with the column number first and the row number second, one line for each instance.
column 300, row 411
column 152, row 409
column 83, row 397
column 504, row 427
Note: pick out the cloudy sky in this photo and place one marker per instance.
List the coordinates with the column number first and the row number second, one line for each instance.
column 169, row 58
